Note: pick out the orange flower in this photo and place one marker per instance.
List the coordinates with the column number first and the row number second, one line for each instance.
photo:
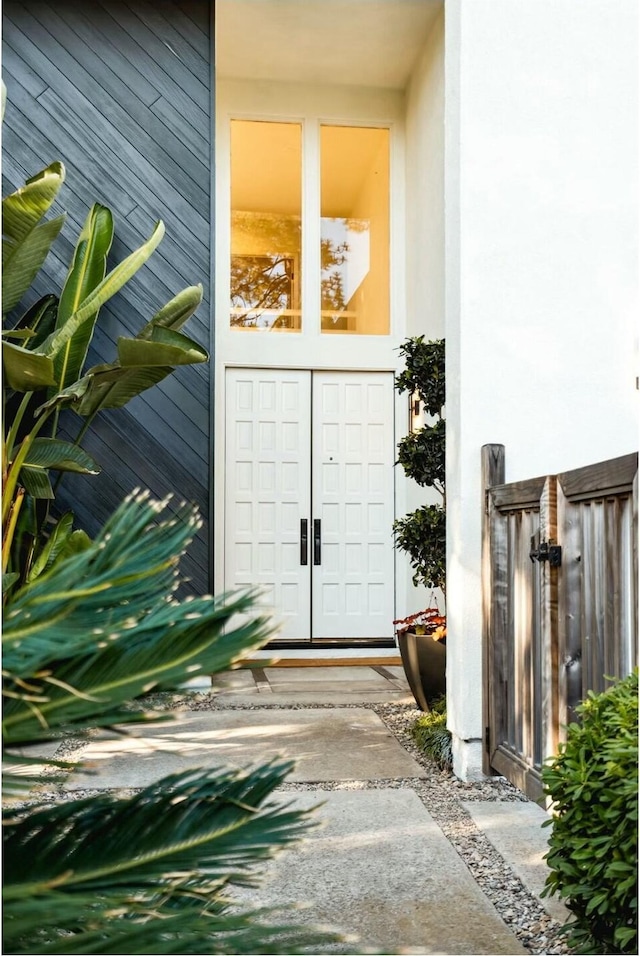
column 428, row 621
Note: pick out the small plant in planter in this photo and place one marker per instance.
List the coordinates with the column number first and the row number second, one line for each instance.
column 422, row 533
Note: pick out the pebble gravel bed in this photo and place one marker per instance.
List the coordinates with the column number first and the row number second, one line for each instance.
column 442, row 795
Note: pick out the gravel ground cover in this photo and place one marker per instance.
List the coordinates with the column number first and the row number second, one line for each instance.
column 442, row 795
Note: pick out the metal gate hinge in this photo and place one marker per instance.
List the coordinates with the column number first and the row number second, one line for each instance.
column 546, row 552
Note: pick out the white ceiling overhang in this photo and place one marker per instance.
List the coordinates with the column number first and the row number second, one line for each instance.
column 370, row 43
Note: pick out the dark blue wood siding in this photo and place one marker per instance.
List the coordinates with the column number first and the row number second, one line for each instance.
column 120, row 91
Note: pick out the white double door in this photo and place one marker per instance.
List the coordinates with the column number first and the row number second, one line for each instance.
column 309, row 498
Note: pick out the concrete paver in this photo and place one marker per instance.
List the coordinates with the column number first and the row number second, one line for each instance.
column 381, row 868
column 326, row 743
column 515, row 830
column 311, row 685
column 325, row 675
column 316, row 696
column 45, row 749
column 339, row 689
column 395, row 671
column 240, row 679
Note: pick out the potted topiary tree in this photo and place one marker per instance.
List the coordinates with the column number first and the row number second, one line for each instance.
column 422, row 533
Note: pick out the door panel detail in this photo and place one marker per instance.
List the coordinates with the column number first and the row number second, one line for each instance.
column 352, row 473
column 321, row 445
column 268, row 483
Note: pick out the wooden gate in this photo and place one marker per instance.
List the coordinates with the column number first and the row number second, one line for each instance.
column 560, row 603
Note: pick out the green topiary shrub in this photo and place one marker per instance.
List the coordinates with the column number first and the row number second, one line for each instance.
column 431, row 734
column 422, row 533
column 593, row 856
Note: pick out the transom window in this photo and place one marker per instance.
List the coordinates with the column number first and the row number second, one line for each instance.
column 346, row 270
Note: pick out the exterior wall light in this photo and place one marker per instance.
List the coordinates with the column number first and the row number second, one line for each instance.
column 416, row 413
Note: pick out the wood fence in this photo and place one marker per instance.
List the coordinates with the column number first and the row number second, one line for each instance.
column 560, row 573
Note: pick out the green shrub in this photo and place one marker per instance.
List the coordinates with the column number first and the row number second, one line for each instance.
column 422, row 533
column 593, row 783
column 431, row 734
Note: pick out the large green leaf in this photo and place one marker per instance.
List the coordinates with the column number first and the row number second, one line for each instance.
column 53, row 546
column 9, row 579
column 25, row 370
column 142, row 363
column 165, row 347
column 116, row 386
column 36, row 483
column 175, row 313
column 38, row 321
column 23, row 259
column 87, row 270
column 47, row 453
column 111, row 284
column 23, row 209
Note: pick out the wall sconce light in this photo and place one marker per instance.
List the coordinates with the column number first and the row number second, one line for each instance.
column 416, row 413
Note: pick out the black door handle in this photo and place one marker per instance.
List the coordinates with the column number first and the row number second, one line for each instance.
column 317, row 553
column 304, row 541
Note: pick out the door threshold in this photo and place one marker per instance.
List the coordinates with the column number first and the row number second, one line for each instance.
column 334, row 657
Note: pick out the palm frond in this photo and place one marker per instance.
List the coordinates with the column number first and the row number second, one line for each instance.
column 152, row 873
column 200, row 826
column 209, row 933
column 96, row 597
column 101, row 628
column 139, row 870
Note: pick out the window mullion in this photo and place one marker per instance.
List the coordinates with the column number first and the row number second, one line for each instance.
column 311, row 228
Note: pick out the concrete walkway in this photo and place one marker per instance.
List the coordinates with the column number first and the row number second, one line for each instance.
column 380, row 867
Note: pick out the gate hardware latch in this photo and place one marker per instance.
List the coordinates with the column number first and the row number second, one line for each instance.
column 546, row 552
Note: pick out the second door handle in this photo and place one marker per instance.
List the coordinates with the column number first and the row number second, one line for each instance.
column 317, row 546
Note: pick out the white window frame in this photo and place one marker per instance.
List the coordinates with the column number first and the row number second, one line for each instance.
column 312, row 107
column 342, row 108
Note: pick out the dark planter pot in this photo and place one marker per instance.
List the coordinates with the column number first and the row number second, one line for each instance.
column 425, row 666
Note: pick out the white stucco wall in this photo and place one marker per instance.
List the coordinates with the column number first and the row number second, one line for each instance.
column 425, row 189
column 541, row 189
column 424, row 131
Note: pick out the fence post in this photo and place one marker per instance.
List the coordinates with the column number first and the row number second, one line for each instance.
column 493, row 473
column 548, row 681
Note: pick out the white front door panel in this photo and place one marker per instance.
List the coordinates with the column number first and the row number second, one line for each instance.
column 352, row 475
column 268, row 490
column 317, row 448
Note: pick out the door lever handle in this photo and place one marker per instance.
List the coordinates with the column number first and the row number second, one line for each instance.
column 304, row 541
column 317, row 549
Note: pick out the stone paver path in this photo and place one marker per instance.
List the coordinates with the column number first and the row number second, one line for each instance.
column 379, row 866
column 326, row 743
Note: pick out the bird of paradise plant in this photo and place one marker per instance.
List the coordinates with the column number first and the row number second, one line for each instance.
column 44, row 354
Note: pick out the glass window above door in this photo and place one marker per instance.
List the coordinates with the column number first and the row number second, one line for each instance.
column 330, row 199
column 354, row 238
column 266, row 207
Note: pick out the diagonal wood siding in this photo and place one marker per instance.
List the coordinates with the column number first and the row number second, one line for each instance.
column 120, row 91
